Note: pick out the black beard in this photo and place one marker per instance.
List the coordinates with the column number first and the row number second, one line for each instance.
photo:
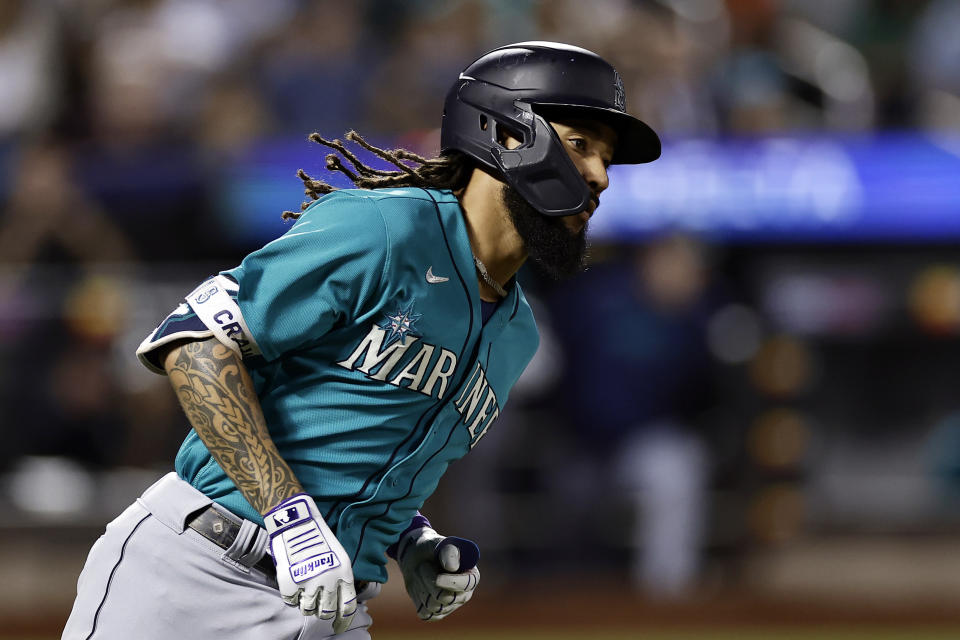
column 557, row 251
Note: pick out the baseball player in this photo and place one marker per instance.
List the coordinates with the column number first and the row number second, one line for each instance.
column 332, row 376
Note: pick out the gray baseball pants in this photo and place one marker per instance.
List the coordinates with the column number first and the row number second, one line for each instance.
column 151, row 577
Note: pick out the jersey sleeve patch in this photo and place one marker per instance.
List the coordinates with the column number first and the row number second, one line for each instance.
column 215, row 303
column 182, row 323
column 210, row 310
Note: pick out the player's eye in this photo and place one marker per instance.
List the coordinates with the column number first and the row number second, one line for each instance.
column 579, row 143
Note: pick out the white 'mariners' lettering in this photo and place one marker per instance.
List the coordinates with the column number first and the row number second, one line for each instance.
column 466, row 385
column 483, row 413
column 373, row 354
column 470, row 406
column 372, row 345
column 473, row 396
column 420, row 362
column 446, row 364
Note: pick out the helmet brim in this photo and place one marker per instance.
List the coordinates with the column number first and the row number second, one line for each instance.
column 636, row 141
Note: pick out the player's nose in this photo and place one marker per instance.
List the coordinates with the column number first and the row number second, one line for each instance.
column 595, row 173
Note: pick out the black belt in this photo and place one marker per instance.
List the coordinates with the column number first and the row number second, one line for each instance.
column 222, row 531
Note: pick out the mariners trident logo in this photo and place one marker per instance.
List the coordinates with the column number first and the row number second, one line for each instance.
column 399, row 324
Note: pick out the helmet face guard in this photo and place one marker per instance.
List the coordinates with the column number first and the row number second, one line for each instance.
column 546, row 179
column 506, row 86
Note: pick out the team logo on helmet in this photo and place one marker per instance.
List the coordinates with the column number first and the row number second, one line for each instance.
column 619, row 97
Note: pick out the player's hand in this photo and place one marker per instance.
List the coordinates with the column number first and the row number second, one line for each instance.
column 313, row 570
column 440, row 573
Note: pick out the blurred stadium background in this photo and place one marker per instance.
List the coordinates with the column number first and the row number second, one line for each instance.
column 744, row 420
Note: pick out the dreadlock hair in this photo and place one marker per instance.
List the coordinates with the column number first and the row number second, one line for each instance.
column 451, row 170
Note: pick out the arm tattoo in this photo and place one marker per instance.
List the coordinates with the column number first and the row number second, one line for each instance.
column 216, row 393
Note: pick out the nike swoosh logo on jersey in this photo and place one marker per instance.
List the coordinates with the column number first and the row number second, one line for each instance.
column 432, row 279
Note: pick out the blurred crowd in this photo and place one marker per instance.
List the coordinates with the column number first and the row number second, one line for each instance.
column 119, row 120
column 124, row 75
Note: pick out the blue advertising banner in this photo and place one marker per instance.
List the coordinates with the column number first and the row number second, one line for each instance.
column 893, row 187
column 883, row 188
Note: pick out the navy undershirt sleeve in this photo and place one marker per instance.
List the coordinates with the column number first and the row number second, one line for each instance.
column 487, row 309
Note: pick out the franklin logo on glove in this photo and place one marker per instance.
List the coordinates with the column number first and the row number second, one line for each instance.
column 314, row 566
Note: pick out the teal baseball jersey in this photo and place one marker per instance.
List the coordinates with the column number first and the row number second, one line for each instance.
column 361, row 328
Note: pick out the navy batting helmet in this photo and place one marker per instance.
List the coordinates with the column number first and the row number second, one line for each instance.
column 514, row 86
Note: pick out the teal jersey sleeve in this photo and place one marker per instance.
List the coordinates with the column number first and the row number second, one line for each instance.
column 326, row 270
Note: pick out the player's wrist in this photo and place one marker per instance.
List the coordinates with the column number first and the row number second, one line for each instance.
column 299, row 494
column 417, row 523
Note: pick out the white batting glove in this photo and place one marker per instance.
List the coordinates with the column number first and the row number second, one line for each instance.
column 313, row 570
column 432, row 571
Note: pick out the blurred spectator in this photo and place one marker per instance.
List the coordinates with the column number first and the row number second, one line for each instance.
column 49, row 218
column 29, row 66
column 59, row 331
column 141, row 70
column 664, row 51
column 672, row 85
column 640, row 375
column 881, row 34
column 431, row 45
column 782, row 72
column 934, row 65
column 751, row 88
column 313, row 73
column 78, row 405
column 233, row 116
column 151, row 59
column 935, row 52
